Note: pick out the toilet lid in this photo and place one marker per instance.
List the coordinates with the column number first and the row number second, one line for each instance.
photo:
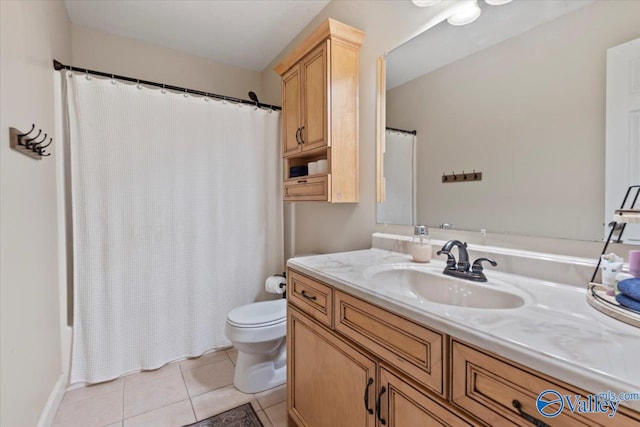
column 259, row 313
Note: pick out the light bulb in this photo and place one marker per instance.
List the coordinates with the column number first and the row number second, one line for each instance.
column 497, row 2
column 425, row 3
column 465, row 14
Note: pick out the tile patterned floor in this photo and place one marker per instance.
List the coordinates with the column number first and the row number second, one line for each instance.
column 175, row 395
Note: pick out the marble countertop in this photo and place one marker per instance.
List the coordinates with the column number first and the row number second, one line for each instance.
column 555, row 332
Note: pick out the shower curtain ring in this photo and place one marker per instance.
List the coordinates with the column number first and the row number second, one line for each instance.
column 138, row 85
column 113, row 79
column 86, row 74
column 163, row 90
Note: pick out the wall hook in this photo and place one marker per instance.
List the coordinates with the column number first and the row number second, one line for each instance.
column 29, row 146
column 462, row 177
column 22, row 135
column 28, row 141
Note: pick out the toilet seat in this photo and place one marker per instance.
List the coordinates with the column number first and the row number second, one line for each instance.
column 259, row 314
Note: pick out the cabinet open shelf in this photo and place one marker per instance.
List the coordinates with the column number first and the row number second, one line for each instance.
column 304, row 159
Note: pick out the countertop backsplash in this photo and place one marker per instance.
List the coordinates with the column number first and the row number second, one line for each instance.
column 570, row 270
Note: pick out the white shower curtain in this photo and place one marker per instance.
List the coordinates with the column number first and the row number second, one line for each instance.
column 177, row 218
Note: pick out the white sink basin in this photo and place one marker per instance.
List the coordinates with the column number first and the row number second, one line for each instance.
column 429, row 284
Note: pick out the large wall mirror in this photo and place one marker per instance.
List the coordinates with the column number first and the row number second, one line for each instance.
column 519, row 95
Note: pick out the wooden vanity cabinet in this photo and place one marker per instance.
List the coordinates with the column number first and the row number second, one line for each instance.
column 348, row 363
column 351, row 363
column 320, row 113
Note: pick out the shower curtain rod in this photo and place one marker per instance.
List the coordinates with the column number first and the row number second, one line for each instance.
column 57, row 65
column 412, row 132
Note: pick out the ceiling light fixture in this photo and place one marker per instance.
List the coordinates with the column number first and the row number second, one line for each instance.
column 426, row 3
column 464, row 11
column 467, row 12
column 497, row 2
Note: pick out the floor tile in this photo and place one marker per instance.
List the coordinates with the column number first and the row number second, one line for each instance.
column 140, row 377
column 272, row 397
column 264, row 419
column 94, row 390
column 220, row 400
column 118, row 424
column 153, row 394
column 233, row 355
column 100, row 410
column 205, row 359
column 278, row 414
column 174, row 415
column 209, row 377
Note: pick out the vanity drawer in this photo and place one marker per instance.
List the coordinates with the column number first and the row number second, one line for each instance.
column 311, row 296
column 487, row 386
column 307, row 189
column 407, row 346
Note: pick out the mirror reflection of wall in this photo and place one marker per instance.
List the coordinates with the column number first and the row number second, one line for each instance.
column 527, row 111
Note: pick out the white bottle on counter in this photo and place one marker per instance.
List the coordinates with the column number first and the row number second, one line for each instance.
column 420, row 247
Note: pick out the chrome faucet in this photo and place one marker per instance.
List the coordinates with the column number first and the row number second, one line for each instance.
column 461, row 267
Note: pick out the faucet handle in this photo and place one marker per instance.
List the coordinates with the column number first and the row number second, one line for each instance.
column 477, row 264
column 451, row 260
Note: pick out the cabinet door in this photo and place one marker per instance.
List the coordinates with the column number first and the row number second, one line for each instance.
column 328, row 379
column 314, row 99
column 402, row 405
column 291, row 105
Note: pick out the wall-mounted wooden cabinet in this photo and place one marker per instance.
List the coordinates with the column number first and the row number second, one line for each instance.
column 320, row 113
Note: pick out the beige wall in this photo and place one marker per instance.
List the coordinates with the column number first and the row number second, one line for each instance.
column 530, row 114
column 101, row 51
column 32, row 33
column 325, row 228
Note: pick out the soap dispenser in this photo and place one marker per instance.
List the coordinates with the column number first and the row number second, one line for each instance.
column 420, row 248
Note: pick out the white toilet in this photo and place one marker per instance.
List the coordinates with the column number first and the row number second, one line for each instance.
column 258, row 331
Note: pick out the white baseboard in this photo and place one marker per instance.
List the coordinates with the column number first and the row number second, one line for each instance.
column 53, row 403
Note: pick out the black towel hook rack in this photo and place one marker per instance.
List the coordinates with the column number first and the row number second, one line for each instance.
column 28, row 144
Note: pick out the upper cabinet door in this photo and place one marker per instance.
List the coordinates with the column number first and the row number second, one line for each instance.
column 314, row 97
column 291, row 119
